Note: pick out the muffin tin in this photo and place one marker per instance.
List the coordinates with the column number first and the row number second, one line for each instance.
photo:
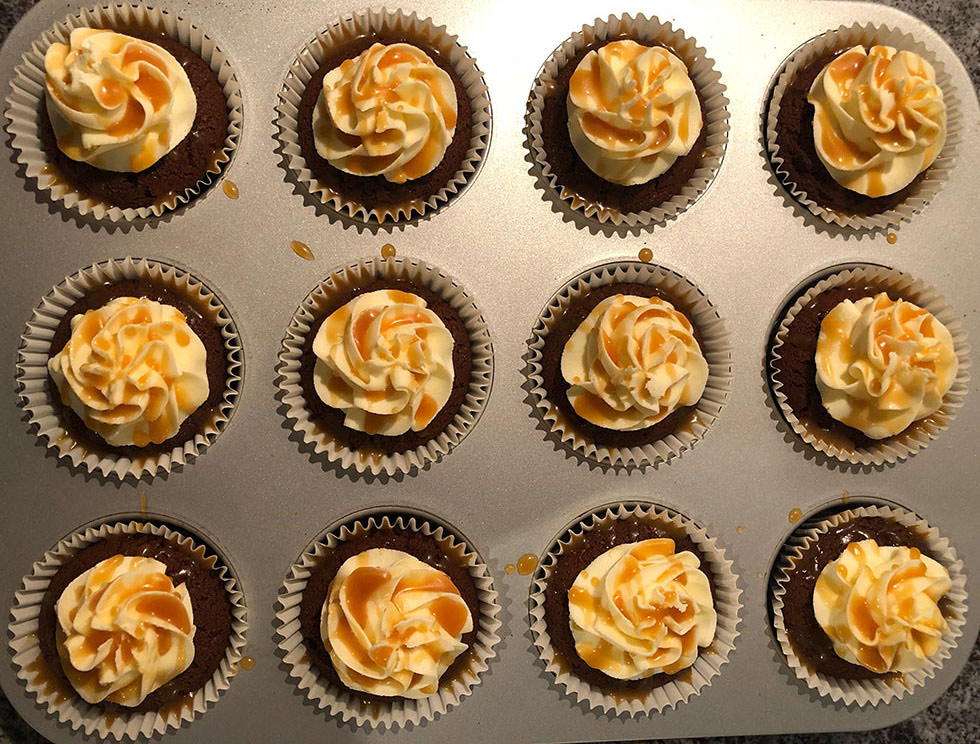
column 509, row 490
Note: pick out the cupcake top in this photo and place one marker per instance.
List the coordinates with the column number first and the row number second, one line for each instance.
column 879, row 118
column 125, row 630
column 390, row 111
column 133, row 370
column 116, row 102
column 883, row 364
column 386, row 361
column 632, row 362
column 879, row 606
column 641, row 609
column 632, row 111
column 393, row 624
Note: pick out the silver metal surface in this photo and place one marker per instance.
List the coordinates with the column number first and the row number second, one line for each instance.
column 261, row 500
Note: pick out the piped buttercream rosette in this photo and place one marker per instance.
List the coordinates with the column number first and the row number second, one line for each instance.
column 872, row 141
column 667, row 95
column 400, row 382
column 434, row 611
column 397, row 124
column 882, row 366
column 147, row 118
column 141, row 629
column 906, row 631
column 661, row 366
column 133, row 369
column 632, row 634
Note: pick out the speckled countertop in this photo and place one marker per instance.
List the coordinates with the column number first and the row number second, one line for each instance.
column 955, row 717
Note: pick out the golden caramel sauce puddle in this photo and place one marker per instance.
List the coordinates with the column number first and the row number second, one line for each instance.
column 740, row 529
column 509, row 569
column 302, row 250
column 646, row 254
column 795, row 515
column 247, row 662
column 892, row 238
column 845, row 497
column 387, row 251
column 230, row 188
column 527, row 563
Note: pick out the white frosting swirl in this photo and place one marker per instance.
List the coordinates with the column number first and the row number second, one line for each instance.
column 125, row 630
column 879, row 119
column 390, row 111
column 115, row 102
column 879, row 605
column 632, row 362
column 386, row 361
column 393, row 624
column 133, row 370
column 883, row 364
column 641, row 609
column 632, row 111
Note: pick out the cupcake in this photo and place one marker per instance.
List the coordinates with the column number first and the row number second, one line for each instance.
column 858, row 119
column 867, row 603
column 385, row 116
column 386, row 366
column 129, row 367
column 633, row 609
column 630, row 364
column 868, row 366
column 628, row 120
column 394, row 616
column 128, row 628
column 133, row 121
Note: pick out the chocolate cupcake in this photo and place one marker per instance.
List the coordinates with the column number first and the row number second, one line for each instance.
column 637, row 554
column 175, row 591
column 386, row 366
column 867, row 603
column 372, row 560
column 656, row 323
column 435, row 93
column 867, row 160
column 834, row 378
column 143, row 323
column 171, row 112
column 641, row 158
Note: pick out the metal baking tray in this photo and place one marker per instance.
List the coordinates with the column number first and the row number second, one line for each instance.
column 261, row 500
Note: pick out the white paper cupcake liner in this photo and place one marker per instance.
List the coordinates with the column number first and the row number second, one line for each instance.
column 917, row 436
column 399, row 712
column 367, row 23
column 25, row 104
column 35, row 350
column 879, row 690
column 937, row 174
column 706, row 79
column 688, row 682
column 69, row 708
column 715, row 345
column 344, row 280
